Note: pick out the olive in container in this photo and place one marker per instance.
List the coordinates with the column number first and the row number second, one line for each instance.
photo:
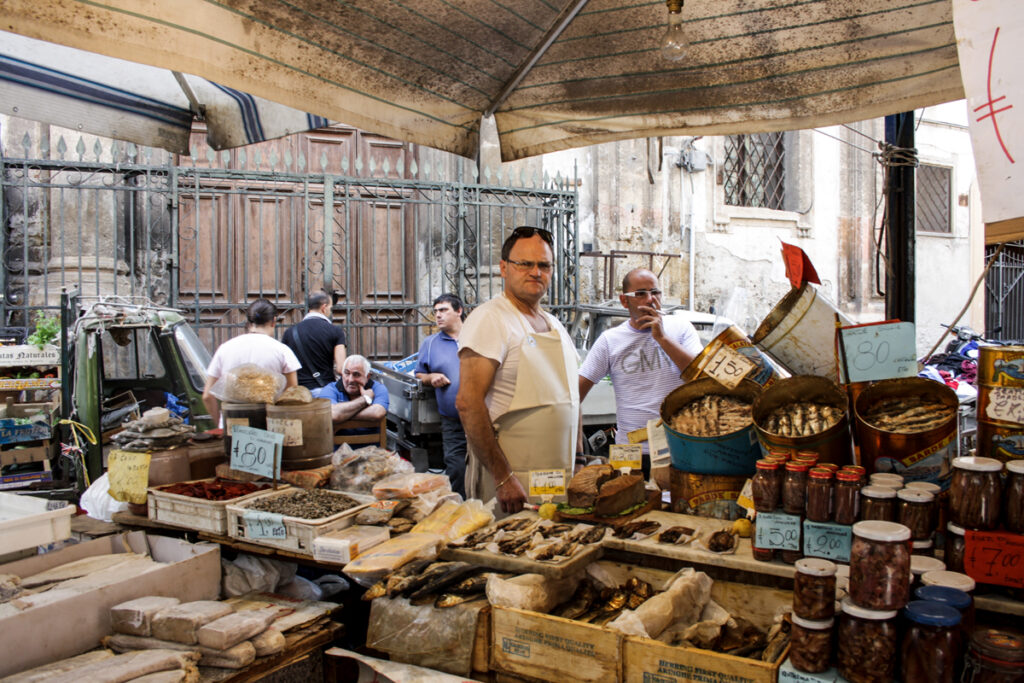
column 810, row 644
column 814, row 589
column 868, row 640
column 880, row 565
column 975, row 494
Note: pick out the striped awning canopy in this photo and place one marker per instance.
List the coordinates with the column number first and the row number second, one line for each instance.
column 556, row 74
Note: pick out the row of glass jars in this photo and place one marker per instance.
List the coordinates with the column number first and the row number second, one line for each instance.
column 980, row 499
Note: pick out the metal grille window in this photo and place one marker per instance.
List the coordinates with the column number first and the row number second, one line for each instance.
column 1004, row 292
column 754, row 170
column 934, row 196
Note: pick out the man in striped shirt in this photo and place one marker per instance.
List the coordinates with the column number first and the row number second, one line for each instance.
column 644, row 357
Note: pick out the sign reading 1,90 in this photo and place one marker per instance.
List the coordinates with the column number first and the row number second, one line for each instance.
column 256, row 451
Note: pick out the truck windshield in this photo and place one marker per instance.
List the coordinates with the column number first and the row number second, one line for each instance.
column 194, row 353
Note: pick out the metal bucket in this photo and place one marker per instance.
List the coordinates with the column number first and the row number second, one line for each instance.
column 764, row 374
column 731, row 454
column 800, row 332
column 1000, row 377
column 833, row 445
column 308, row 433
column 242, row 415
column 920, row 456
column 706, row 495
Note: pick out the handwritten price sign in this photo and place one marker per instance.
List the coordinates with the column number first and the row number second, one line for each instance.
column 128, row 473
column 547, row 482
column 827, row 540
column 994, row 557
column 264, row 525
column 626, row 455
column 256, row 451
column 729, row 367
column 778, row 531
column 1006, row 404
column 881, row 351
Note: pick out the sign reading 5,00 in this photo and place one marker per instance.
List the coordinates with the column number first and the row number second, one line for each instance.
column 256, row 451
column 778, row 531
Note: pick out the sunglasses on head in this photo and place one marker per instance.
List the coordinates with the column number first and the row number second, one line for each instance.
column 529, row 231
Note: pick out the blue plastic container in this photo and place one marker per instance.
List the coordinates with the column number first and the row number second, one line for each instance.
column 731, row 454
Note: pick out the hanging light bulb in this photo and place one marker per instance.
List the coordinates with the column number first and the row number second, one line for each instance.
column 673, row 44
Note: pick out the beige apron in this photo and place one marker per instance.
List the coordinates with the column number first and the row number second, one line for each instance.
column 538, row 432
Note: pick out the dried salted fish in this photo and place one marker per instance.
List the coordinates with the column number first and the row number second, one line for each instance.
column 676, row 534
column 587, row 535
column 802, row 418
column 377, row 590
column 639, row 587
column 908, row 415
column 581, row 602
column 644, row 527
column 451, row 599
column 440, row 581
column 721, row 541
column 712, row 415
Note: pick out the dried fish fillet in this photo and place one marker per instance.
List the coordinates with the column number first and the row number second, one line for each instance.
column 712, row 415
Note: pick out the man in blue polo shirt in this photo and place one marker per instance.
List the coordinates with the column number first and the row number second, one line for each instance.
column 356, row 395
column 438, row 367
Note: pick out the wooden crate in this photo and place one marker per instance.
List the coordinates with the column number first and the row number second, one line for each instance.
column 38, row 451
column 193, row 513
column 300, row 532
column 550, row 648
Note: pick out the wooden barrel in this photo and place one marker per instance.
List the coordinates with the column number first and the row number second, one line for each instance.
column 308, row 433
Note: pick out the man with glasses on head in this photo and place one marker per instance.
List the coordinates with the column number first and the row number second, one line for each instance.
column 437, row 365
column 644, row 357
column 518, row 396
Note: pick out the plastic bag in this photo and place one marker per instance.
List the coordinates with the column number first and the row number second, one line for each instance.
column 248, row 574
column 410, row 485
column 358, row 470
column 295, row 395
column 381, row 560
column 97, row 503
column 301, row 589
column 454, row 520
column 533, row 592
column 683, row 602
column 249, row 383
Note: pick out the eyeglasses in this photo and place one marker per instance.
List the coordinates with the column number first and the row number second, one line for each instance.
column 643, row 293
column 530, row 231
column 527, row 266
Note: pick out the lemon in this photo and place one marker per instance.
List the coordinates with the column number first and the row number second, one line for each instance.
column 742, row 527
column 547, row 511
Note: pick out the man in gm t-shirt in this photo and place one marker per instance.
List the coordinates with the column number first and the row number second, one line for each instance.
column 644, row 356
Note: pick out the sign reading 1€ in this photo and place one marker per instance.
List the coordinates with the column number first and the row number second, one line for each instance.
column 256, row 451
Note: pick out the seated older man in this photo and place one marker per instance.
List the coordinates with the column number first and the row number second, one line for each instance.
column 355, row 396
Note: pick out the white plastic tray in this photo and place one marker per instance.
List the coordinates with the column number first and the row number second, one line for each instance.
column 25, row 522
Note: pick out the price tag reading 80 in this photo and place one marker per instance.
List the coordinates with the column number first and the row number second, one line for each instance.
column 994, row 557
column 778, row 531
column 728, row 367
column 547, row 483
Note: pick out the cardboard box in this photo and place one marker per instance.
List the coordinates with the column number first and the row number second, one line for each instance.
column 72, row 626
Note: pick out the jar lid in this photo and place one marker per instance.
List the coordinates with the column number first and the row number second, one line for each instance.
column 764, row 464
column 919, row 564
column 820, row 473
column 977, row 464
column 915, row 495
column 878, row 492
column 876, row 530
column 819, row 624
column 815, row 567
column 855, row 610
column 879, row 477
column 999, row 645
column 1015, row 466
column 829, row 466
column 797, row 466
column 953, row 528
column 847, row 475
column 950, row 596
column 948, row 578
column 808, row 454
column 923, row 543
column 931, row 613
column 779, row 452
column 934, row 489
column 855, row 468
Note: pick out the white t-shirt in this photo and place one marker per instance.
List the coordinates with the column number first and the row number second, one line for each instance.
column 495, row 330
column 642, row 373
column 253, row 347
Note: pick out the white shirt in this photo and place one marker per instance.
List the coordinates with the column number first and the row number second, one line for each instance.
column 253, row 347
column 642, row 373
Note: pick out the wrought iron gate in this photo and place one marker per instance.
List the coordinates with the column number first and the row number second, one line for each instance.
column 385, row 237
column 1004, row 293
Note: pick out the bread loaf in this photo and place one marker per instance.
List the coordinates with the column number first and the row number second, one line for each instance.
column 585, row 486
column 619, row 494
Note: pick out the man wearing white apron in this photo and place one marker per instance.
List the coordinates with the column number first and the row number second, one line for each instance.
column 519, row 396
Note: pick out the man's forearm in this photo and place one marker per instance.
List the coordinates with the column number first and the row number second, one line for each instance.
column 346, row 410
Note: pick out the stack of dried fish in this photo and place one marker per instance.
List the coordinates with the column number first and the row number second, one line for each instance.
column 536, row 539
column 443, row 584
column 907, row 414
column 637, row 529
column 595, row 605
column 712, row 415
column 802, row 418
column 157, row 429
column 737, row 637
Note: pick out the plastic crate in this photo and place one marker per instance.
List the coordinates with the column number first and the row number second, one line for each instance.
column 26, row 522
column 300, row 532
column 193, row 513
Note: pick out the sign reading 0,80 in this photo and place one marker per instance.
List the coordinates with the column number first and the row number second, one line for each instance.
column 256, row 451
